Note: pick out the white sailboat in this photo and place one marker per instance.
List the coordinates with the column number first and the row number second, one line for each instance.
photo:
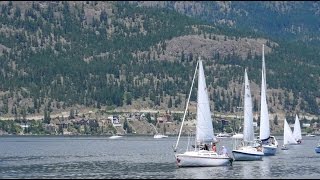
column 158, row 135
column 288, row 137
column 269, row 143
column 115, row 137
column 248, row 150
column 204, row 132
column 223, row 135
column 297, row 130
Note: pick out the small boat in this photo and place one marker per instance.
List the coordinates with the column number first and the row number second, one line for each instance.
column 115, row 137
column 284, row 147
column 288, row 137
column 297, row 130
column 238, row 136
column 311, row 135
column 158, row 136
column 223, row 135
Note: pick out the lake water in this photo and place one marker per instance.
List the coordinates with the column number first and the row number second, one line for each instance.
column 140, row 157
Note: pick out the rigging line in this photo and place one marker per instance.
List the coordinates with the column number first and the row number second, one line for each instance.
column 185, row 112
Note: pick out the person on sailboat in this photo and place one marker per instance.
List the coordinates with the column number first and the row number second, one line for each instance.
column 206, row 147
column 259, row 148
column 272, row 140
column 214, row 147
column 224, row 150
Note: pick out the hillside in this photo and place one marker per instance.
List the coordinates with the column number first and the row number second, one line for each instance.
column 60, row 55
column 286, row 20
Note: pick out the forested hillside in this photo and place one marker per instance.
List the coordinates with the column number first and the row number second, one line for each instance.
column 56, row 55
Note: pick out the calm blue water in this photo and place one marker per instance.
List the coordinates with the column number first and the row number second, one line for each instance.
column 140, row 157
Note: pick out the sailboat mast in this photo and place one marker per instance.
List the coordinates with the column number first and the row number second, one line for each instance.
column 185, row 112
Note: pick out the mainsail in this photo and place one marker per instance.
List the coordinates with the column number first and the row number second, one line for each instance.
column 297, row 129
column 204, row 122
column 287, row 134
column 264, row 116
column 248, row 131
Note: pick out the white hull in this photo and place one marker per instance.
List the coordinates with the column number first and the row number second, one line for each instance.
column 269, row 150
column 238, row 136
column 223, row 135
column 114, row 137
column 158, row 136
column 247, row 154
column 298, row 142
column 202, row 159
column 311, row 135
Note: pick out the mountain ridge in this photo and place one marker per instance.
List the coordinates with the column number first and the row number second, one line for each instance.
column 56, row 55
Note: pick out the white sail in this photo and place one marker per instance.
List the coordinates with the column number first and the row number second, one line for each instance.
column 269, row 143
column 287, row 134
column 248, row 131
column 264, row 67
column 204, row 122
column 247, row 150
column 202, row 155
column 264, row 116
column 297, row 129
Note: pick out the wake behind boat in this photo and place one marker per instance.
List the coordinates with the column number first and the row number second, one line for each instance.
column 199, row 157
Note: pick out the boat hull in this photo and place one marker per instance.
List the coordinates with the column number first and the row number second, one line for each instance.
column 194, row 159
column 115, row 137
column 243, row 155
column 317, row 149
column 269, row 150
column 158, row 136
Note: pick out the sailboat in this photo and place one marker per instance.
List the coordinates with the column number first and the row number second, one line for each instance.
column 317, row 148
column 269, row 143
column 116, row 136
column 297, row 130
column 248, row 150
column 288, row 137
column 199, row 157
column 158, row 135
